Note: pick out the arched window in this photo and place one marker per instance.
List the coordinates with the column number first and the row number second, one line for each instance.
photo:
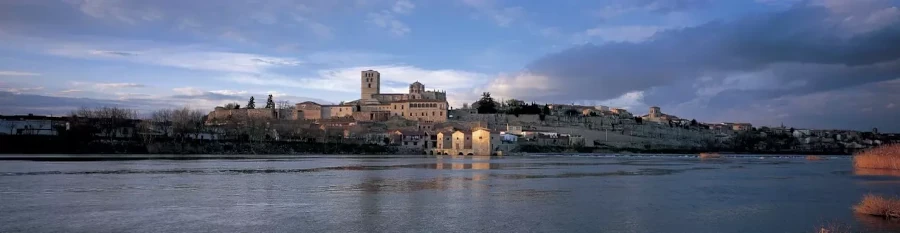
column 370, row 85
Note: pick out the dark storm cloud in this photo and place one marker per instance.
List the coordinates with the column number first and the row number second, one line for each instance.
column 794, row 36
column 713, row 70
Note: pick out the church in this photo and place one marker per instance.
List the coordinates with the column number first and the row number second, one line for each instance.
column 418, row 105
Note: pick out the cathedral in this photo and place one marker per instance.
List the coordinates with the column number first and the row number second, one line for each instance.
column 417, row 105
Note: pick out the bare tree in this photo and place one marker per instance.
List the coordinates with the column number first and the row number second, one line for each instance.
column 285, row 110
column 108, row 120
column 187, row 122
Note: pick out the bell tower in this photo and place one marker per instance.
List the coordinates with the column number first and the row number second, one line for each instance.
column 371, row 84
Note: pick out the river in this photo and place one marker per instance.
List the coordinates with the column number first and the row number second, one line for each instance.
column 550, row 193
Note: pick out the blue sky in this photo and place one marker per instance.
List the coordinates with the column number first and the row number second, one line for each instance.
column 705, row 59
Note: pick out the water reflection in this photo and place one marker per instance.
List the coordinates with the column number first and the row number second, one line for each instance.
column 875, row 172
column 874, row 223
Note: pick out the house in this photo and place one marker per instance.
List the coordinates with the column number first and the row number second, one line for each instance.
column 444, row 140
column 412, row 139
column 514, row 129
column 32, row 125
column 552, row 139
column 462, row 140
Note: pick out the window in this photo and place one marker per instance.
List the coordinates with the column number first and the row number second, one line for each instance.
column 395, row 107
column 442, row 113
column 401, row 106
column 479, row 138
column 405, row 143
column 415, row 143
column 432, row 113
column 370, row 85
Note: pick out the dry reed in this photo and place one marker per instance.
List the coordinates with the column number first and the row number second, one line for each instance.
column 710, row 156
column 882, row 157
column 814, row 158
column 834, row 228
column 887, row 207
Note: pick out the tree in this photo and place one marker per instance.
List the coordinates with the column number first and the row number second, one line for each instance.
column 571, row 112
column 546, row 109
column 108, row 120
column 639, row 120
column 270, row 103
column 486, row 104
column 693, row 122
column 513, row 103
column 232, row 106
column 251, row 104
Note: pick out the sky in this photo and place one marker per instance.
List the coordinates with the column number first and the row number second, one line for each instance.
column 829, row 64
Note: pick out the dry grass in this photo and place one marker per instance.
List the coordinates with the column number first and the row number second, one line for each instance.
column 882, row 157
column 814, row 158
column 887, row 207
column 710, row 156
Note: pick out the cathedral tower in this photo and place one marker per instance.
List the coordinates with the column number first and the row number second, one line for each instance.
column 371, row 84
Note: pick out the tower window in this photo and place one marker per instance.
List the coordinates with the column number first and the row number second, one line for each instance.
column 370, row 85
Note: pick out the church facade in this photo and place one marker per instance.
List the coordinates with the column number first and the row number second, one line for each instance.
column 417, row 105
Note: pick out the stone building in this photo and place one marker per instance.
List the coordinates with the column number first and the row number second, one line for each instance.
column 224, row 115
column 418, row 105
column 655, row 115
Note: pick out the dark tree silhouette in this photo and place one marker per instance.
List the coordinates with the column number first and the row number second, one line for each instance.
column 270, row 103
column 486, row 104
column 251, row 104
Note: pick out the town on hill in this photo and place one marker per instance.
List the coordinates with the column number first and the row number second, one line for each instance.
column 417, row 122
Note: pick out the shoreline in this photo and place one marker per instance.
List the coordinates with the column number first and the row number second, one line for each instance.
column 138, row 157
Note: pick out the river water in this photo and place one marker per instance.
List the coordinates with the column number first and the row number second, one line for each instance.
column 447, row 194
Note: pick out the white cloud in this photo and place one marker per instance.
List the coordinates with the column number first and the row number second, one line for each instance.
column 403, row 7
column 117, row 10
column 17, row 73
column 623, row 33
column 25, row 90
column 861, row 16
column 186, row 58
column 387, row 21
column 393, row 79
column 118, row 85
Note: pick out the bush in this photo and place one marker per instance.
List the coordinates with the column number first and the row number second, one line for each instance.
column 882, row 157
column 887, row 207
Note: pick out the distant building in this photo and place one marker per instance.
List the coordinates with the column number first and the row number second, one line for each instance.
column 655, row 115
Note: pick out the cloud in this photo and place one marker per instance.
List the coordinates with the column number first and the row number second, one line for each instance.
column 117, row 10
column 386, row 20
column 616, row 8
column 118, row 85
column 17, row 73
column 179, row 57
column 502, row 16
column 403, row 7
column 394, row 79
column 318, row 29
column 623, row 33
column 24, row 90
column 241, row 20
column 728, row 69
